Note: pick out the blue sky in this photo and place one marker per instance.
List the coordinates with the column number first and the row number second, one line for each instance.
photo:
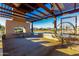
column 3, row 20
column 49, row 22
column 44, row 23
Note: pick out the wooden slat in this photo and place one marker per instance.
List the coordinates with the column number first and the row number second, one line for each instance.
column 15, row 8
column 20, row 10
column 16, row 11
column 36, row 10
column 69, row 12
column 74, row 6
column 42, row 6
column 58, row 7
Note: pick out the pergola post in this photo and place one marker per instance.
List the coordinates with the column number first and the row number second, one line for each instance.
column 32, row 27
column 76, row 25
column 55, row 26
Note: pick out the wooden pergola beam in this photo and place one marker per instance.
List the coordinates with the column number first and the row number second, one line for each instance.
column 39, row 6
column 36, row 10
column 69, row 12
column 10, row 10
column 18, row 13
column 3, row 15
column 74, row 6
column 36, row 15
column 14, row 15
column 11, row 16
column 21, row 11
column 15, row 8
column 41, row 19
column 44, row 7
column 58, row 7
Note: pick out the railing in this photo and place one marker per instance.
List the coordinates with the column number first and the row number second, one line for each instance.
column 68, row 37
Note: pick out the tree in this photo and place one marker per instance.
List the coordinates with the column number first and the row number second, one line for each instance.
column 2, row 27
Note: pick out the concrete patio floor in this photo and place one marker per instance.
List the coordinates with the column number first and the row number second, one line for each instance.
column 35, row 47
column 1, row 47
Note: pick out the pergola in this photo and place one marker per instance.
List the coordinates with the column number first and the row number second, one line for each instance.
column 33, row 12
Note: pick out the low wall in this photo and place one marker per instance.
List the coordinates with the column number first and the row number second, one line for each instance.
column 11, row 24
column 19, row 35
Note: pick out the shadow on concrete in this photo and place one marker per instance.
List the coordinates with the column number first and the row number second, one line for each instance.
column 25, row 47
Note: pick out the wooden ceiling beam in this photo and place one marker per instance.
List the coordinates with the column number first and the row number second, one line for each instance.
column 39, row 6
column 69, row 12
column 44, row 7
column 3, row 14
column 16, row 8
column 38, row 11
column 58, row 7
column 35, row 9
column 17, row 12
column 74, row 6
column 20, row 10
column 8, row 16
column 42, row 19
column 14, row 15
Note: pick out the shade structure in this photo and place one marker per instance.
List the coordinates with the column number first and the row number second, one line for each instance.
column 37, row 11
